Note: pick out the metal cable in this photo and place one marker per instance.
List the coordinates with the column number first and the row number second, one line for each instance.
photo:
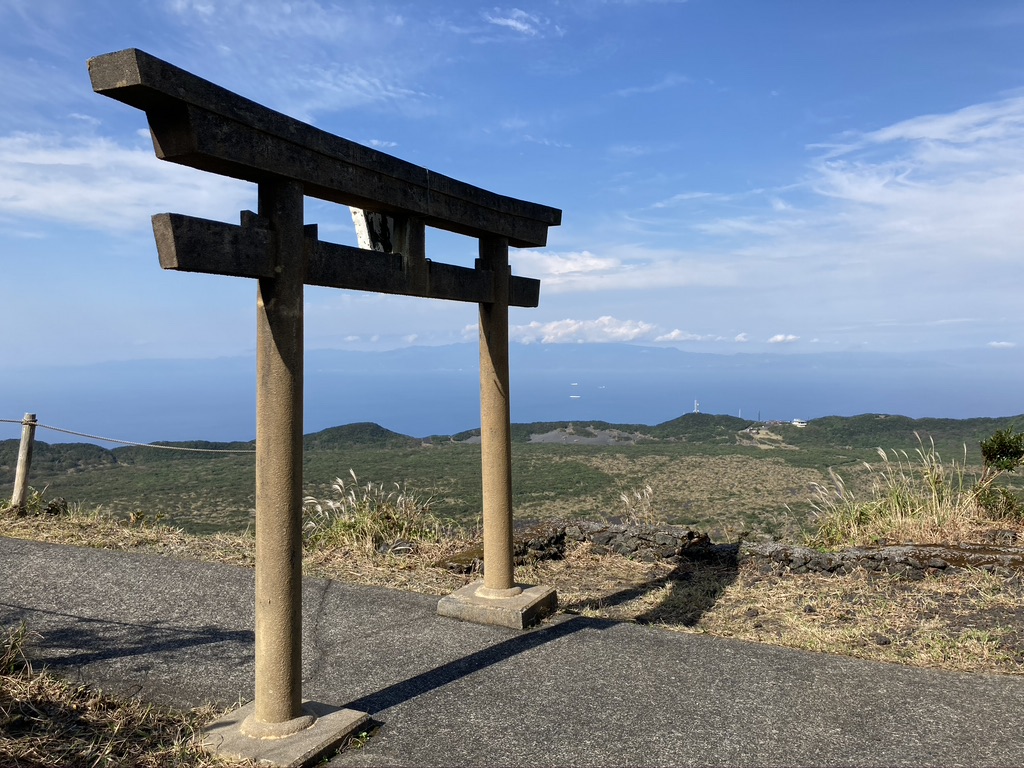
column 129, row 442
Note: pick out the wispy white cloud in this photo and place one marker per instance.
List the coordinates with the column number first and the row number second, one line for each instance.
column 932, row 189
column 517, row 20
column 340, row 56
column 631, row 150
column 199, row 7
column 884, row 227
column 685, row 197
column 308, row 91
column 977, row 123
column 32, row 88
column 623, row 267
column 101, row 185
column 306, row 20
column 88, row 120
column 746, row 225
column 544, row 142
column 513, row 124
column 532, row 131
column 669, row 81
column 1001, row 345
column 742, row 338
column 783, row 338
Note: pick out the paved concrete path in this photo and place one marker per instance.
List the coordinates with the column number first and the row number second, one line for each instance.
column 574, row 692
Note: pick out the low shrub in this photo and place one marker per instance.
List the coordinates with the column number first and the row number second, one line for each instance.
column 638, row 507
column 1002, row 453
column 36, row 504
column 922, row 500
column 370, row 517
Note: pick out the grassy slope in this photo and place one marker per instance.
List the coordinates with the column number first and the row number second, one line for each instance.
column 703, row 469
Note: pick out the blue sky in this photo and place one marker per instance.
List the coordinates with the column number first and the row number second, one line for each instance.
column 735, row 176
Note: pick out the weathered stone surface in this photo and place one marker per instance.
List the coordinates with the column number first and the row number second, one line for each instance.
column 910, row 560
column 542, row 542
column 225, row 737
column 639, row 541
column 675, row 543
column 518, row 611
column 548, row 541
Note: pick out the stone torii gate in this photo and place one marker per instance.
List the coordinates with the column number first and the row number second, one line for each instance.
column 197, row 123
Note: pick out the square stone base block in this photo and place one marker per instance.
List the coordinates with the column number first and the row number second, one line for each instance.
column 518, row 611
column 223, row 737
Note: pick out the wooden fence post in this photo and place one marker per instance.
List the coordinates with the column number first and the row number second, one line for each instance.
column 28, row 433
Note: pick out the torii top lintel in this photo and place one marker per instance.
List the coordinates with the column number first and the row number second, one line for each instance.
column 197, row 123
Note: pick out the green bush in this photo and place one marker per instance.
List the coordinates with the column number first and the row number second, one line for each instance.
column 1002, row 453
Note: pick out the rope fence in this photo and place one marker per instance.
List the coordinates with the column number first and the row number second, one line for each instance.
column 129, row 442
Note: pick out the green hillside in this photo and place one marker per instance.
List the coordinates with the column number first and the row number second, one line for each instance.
column 871, row 431
column 364, row 434
column 706, row 470
column 701, row 428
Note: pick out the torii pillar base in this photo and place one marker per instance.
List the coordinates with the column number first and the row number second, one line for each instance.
column 226, row 737
column 523, row 608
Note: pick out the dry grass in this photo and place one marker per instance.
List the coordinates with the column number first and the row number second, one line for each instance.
column 638, row 507
column 967, row 621
column 912, row 498
column 46, row 721
column 415, row 571
column 970, row 622
column 93, row 529
column 702, row 491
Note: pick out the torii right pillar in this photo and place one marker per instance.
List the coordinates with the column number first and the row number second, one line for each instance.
column 497, row 599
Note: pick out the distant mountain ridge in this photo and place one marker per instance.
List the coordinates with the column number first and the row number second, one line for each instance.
column 365, row 433
column 707, row 467
column 866, row 431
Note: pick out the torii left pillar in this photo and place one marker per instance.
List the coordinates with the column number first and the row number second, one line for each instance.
column 278, row 727
column 279, row 367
